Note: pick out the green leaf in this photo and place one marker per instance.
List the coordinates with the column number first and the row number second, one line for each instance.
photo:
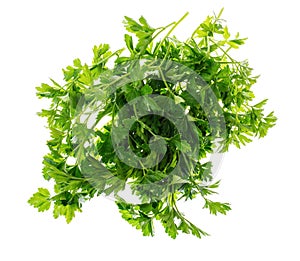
column 233, row 44
column 129, row 42
column 70, row 213
column 261, row 104
column 151, row 104
column 41, row 200
column 178, row 99
column 48, row 91
column 217, row 207
column 68, row 210
column 201, row 33
column 226, row 33
column 146, row 89
column 77, row 63
column 182, row 145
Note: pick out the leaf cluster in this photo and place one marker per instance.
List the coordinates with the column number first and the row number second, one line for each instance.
column 207, row 52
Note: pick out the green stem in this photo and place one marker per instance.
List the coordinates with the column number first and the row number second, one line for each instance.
column 165, row 82
column 162, row 29
column 193, row 34
column 234, row 62
column 145, row 126
column 171, row 30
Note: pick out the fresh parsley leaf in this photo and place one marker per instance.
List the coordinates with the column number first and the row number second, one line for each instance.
column 41, row 200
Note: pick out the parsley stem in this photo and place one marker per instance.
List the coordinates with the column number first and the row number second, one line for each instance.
column 165, row 82
column 171, row 30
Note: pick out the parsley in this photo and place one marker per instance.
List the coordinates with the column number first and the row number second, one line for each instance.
column 160, row 98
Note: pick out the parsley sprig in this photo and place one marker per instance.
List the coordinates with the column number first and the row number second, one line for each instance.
column 208, row 53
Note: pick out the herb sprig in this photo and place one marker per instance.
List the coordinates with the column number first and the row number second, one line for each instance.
column 208, row 53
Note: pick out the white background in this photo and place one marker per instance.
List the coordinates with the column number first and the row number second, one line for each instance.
column 261, row 181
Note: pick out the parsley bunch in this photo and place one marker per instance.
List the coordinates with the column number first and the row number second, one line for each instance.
column 134, row 125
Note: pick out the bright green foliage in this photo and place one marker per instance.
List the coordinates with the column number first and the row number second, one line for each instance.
column 40, row 200
column 207, row 53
